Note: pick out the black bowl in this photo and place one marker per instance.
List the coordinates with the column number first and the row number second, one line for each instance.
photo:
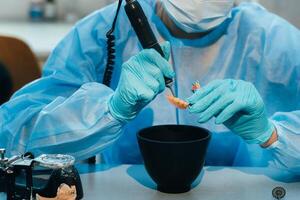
column 173, row 155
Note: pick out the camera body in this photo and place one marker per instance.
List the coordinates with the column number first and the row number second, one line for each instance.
column 24, row 177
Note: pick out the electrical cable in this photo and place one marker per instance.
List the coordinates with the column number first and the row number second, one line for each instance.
column 111, row 50
column 111, row 55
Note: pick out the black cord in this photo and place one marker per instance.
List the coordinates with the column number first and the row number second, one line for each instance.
column 111, row 51
column 111, row 55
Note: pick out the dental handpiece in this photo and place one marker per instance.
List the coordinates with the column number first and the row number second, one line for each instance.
column 144, row 32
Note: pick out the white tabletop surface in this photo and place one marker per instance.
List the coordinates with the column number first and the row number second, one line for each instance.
column 41, row 37
column 132, row 183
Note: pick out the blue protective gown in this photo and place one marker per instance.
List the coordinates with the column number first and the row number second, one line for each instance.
column 66, row 110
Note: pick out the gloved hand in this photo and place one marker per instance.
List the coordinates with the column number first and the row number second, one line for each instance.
column 142, row 78
column 235, row 103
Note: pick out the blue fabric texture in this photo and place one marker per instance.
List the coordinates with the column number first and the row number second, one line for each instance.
column 66, row 111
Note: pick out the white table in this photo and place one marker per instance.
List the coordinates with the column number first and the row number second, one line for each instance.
column 216, row 184
column 41, row 37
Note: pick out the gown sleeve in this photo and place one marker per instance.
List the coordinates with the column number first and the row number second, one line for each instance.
column 65, row 111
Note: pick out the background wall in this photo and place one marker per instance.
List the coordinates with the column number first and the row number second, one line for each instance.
column 288, row 9
column 17, row 9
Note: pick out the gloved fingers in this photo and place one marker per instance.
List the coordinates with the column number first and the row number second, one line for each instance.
column 203, row 103
column 156, row 59
column 156, row 84
column 252, row 99
column 137, row 89
column 166, row 48
column 144, row 93
column 206, row 101
column 204, row 91
column 229, row 112
column 161, row 81
column 156, row 73
column 215, row 108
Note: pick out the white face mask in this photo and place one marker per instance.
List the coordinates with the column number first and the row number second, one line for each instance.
column 198, row 15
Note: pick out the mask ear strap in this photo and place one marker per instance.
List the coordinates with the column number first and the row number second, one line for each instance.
column 111, row 51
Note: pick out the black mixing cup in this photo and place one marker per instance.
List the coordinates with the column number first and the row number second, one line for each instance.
column 173, row 155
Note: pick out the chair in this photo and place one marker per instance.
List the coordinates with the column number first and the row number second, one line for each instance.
column 21, row 64
column 19, row 60
column 5, row 84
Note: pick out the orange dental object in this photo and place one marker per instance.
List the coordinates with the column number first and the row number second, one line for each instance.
column 179, row 103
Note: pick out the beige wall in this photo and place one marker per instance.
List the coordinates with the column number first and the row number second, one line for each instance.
column 288, row 9
column 18, row 9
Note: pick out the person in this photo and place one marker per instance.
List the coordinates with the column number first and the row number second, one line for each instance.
column 245, row 58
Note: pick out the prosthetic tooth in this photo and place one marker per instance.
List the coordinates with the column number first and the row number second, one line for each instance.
column 195, row 86
column 179, row 103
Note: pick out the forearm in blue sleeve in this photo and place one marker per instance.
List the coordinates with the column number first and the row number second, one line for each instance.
column 80, row 125
column 66, row 110
column 286, row 150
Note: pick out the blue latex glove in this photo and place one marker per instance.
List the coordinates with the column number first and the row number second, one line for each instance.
column 142, row 78
column 235, row 103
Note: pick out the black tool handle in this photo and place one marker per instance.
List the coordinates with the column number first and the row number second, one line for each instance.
column 142, row 28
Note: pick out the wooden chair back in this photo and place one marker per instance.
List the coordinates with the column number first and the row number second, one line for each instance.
column 20, row 61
